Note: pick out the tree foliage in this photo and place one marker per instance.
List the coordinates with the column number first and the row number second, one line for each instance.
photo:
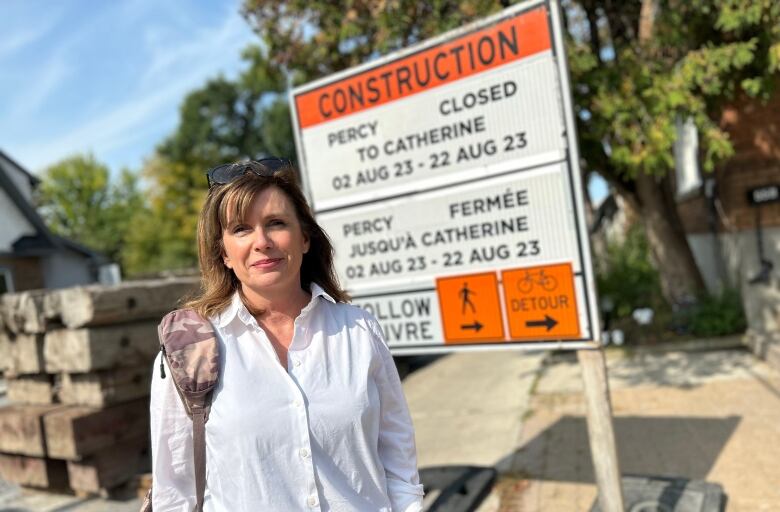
column 312, row 39
column 630, row 91
column 78, row 200
column 637, row 67
column 223, row 121
column 640, row 67
column 226, row 120
column 627, row 277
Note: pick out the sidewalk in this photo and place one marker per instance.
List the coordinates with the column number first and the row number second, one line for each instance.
column 708, row 415
column 468, row 407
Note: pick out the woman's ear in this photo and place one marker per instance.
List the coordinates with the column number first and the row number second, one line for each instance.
column 226, row 260
column 306, row 241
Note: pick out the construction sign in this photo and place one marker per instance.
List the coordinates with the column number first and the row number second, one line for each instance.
column 447, row 177
column 470, row 308
column 540, row 302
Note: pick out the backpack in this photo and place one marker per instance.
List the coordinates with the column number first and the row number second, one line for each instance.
column 189, row 344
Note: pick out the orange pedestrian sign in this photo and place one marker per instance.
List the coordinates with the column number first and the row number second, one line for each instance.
column 541, row 303
column 470, row 308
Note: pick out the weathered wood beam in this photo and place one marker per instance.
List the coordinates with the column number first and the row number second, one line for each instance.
column 5, row 352
column 75, row 432
column 110, row 466
column 106, row 387
column 24, row 311
column 23, row 354
column 138, row 300
column 95, row 348
column 21, row 428
column 31, row 389
column 34, row 471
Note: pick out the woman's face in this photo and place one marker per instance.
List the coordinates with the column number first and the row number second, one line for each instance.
column 265, row 250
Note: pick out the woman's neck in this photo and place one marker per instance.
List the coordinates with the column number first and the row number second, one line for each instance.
column 264, row 305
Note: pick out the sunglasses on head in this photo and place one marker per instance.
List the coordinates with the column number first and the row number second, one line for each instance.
column 225, row 173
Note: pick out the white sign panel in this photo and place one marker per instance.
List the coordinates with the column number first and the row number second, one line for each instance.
column 447, row 178
column 474, row 226
column 439, row 136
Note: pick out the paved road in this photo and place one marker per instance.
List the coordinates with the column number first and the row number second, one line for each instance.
column 467, row 408
column 707, row 415
column 711, row 416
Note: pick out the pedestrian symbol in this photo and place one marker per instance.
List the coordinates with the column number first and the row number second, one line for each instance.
column 470, row 308
column 465, row 293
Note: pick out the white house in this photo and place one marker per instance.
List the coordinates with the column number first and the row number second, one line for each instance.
column 30, row 255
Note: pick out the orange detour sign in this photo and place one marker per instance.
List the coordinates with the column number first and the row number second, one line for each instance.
column 470, row 308
column 541, row 303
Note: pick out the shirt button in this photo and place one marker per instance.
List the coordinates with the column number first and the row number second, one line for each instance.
column 298, row 403
column 296, row 362
column 304, row 452
column 312, row 501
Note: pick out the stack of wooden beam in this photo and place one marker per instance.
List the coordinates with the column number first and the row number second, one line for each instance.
column 77, row 364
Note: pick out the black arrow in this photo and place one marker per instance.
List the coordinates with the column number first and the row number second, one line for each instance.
column 548, row 322
column 476, row 326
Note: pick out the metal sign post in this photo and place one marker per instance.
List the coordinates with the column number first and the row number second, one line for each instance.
column 447, row 175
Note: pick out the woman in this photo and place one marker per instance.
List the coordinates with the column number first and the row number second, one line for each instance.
column 308, row 412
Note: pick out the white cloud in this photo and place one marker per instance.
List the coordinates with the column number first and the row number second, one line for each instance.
column 14, row 41
column 195, row 54
column 177, row 63
column 39, row 89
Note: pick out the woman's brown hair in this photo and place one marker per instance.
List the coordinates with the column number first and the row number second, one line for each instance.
column 233, row 200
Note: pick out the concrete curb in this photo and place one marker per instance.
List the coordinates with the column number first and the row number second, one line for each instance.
column 765, row 346
column 734, row 341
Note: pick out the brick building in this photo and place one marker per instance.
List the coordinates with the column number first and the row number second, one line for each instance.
column 735, row 242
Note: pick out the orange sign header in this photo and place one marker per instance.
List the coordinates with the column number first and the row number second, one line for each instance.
column 506, row 41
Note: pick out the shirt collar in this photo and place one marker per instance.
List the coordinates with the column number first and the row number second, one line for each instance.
column 236, row 307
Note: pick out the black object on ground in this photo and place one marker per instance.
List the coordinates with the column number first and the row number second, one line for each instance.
column 407, row 365
column 462, row 488
column 668, row 494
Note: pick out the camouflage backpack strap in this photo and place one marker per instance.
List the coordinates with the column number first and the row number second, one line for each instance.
column 146, row 505
column 189, row 344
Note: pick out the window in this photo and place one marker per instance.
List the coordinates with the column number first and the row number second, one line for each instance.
column 6, row 280
column 686, row 158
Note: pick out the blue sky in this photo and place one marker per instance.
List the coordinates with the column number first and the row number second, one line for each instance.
column 107, row 77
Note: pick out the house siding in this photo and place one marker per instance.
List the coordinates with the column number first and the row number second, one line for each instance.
column 725, row 241
column 27, row 273
column 14, row 224
column 63, row 269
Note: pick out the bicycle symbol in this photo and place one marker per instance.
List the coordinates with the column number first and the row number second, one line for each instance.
column 539, row 278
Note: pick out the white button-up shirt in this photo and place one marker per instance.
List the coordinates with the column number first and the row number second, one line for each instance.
column 331, row 433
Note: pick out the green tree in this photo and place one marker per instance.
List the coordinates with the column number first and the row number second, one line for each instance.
column 163, row 237
column 640, row 66
column 223, row 121
column 227, row 120
column 78, row 200
column 637, row 66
